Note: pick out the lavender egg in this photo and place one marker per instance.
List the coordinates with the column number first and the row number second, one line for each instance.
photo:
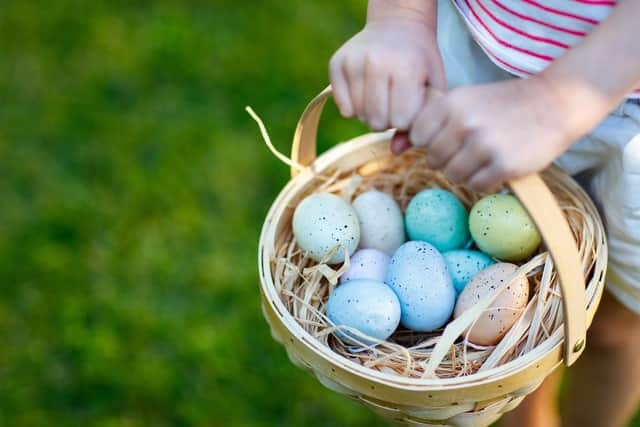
column 367, row 264
column 418, row 274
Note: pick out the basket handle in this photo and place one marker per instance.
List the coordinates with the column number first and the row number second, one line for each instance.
column 542, row 206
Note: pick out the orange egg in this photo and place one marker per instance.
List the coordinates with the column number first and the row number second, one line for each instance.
column 501, row 315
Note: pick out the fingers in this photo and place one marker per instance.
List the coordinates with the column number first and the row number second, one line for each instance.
column 429, row 121
column 492, row 175
column 347, row 79
column 376, row 98
column 485, row 180
column 354, row 70
column 445, row 144
column 340, row 87
column 407, row 96
column 379, row 93
column 469, row 160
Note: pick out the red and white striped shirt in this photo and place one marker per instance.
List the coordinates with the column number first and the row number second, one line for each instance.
column 524, row 36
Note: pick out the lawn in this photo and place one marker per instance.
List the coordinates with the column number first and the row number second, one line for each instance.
column 133, row 188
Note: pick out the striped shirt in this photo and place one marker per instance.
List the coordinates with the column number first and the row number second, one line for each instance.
column 524, row 36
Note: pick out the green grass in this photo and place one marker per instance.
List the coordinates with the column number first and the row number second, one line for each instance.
column 133, row 188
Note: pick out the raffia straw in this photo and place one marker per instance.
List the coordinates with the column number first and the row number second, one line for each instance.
column 304, row 285
column 284, row 159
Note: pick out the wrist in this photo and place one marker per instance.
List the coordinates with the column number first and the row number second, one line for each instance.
column 576, row 107
column 418, row 11
column 580, row 103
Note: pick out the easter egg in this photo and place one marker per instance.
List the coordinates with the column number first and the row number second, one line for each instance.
column 437, row 217
column 381, row 224
column 323, row 221
column 369, row 306
column 463, row 264
column 367, row 264
column 495, row 322
column 502, row 228
column 418, row 275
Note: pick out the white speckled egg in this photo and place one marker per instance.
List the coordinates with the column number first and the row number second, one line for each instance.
column 381, row 223
column 495, row 322
column 463, row 264
column 323, row 220
column 367, row 305
column 367, row 264
column 418, row 275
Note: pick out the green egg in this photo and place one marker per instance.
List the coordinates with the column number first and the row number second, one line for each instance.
column 437, row 217
column 502, row 228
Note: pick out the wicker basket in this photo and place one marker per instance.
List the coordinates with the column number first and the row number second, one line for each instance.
column 476, row 399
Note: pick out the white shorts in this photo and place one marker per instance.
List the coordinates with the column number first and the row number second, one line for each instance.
column 610, row 153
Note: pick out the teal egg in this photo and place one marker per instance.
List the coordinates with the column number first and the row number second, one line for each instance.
column 437, row 217
column 502, row 228
column 463, row 264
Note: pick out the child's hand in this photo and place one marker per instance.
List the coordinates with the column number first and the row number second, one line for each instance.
column 381, row 74
column 484, row 135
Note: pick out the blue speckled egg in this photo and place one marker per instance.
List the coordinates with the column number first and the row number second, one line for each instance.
column 323, row 220
column 367, row 305
column 367, row 264
column 438, row 217
column 418, row 274
column 463, row 264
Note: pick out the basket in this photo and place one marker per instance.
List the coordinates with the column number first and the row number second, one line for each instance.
column 576, row 266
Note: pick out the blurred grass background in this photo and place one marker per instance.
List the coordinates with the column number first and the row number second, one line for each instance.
column 132, row 191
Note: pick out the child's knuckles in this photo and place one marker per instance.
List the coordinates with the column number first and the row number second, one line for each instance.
column 482, row 184
column 410, row 67
column 436, row 155
column 377, row 63
column 504, row 168
column 481, row 145
column 455, row 173
column 353, row 66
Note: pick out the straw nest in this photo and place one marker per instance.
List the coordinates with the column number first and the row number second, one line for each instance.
column 305, row 285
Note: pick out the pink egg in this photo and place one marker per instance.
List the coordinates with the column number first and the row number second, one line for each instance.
column 505, row 310
column 367, row 264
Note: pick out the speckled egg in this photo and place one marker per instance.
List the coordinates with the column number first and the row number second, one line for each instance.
column 505, row 310
column 323, row 220
column 367, row 264
column 381, row 224
column 502, row 228
column 437, row 217
column 367, row 305
column 418, row 275
column 463, row 264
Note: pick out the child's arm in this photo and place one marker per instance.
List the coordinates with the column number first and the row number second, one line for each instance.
column 380, row 75
column 484, row 135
